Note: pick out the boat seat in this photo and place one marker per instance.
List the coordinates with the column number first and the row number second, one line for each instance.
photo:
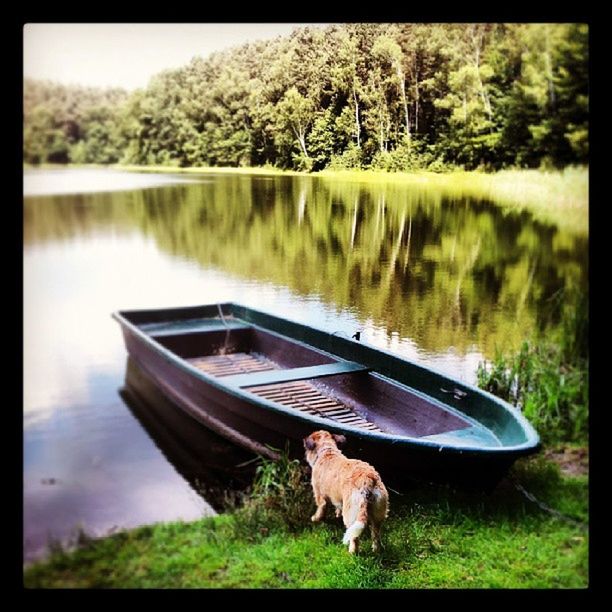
column 276, row 376
column 190, row 326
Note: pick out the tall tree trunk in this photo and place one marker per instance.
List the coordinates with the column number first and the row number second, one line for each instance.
column 303, row 146
column 381, row 131
column 416, row 96
column 357, row 126
column 477, row 42
column 416, row 117
column 400, row 76
column 301, row 137
column 549, row 70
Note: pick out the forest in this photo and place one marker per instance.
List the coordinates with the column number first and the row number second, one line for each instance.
column 396, row 97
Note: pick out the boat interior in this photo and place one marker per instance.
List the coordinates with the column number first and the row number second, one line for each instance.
column 300, row 377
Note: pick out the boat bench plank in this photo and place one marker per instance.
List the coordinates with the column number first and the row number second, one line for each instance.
column 189, row 326
column 277, row 376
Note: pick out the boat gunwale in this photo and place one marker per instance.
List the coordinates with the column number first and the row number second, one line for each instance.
column 531, row 444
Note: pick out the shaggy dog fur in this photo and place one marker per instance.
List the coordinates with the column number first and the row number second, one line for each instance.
column 352, row 486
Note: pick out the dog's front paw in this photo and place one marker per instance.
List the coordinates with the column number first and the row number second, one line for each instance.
column 315, row 519
column 338, row 512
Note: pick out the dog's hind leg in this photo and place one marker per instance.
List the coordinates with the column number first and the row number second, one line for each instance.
column 355, row 515
column 375, row 533
column 377, row 514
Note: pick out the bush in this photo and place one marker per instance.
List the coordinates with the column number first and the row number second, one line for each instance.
column 410, row 156
column 400, row 159
column 350, row 159
column 439, row 165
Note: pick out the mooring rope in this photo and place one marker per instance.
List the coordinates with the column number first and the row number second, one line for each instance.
column 221, row 315
column 223, row 350
column 532, row 498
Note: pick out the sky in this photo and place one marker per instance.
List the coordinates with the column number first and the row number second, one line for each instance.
column 128, row 55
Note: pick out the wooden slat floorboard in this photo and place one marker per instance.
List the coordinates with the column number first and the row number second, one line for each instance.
column 298, row 395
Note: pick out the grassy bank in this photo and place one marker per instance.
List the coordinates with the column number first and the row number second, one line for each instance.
column 435, row 537
column 561, row 197
column 263, row 170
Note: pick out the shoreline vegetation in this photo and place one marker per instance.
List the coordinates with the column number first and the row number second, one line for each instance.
column 555, row 196
column 560, row 196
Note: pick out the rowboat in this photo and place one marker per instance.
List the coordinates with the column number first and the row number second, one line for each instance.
column 210, row 464
column 264, row 383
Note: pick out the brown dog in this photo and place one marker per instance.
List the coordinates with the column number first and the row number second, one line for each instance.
column 352, row 486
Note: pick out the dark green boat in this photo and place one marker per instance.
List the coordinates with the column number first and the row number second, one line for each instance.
column 264, row 382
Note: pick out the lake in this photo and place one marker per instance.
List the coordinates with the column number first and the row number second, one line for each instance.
column 443, row 281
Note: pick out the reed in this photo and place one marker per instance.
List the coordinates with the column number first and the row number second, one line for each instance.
column 548, row 379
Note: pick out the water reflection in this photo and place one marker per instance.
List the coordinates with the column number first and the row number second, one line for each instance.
column 448, row 273
column 212, row 466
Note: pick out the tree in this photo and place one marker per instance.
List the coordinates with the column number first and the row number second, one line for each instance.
column 345, row 77
column 389, row 55
column 296, row 113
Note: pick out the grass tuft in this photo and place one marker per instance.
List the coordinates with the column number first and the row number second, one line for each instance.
column 280, row 499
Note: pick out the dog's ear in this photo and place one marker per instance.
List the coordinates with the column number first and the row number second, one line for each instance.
column 339, row 438
column 309, row 443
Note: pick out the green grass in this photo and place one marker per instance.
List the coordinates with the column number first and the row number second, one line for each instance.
column 435, row 537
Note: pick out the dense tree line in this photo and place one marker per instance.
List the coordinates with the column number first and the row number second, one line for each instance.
column 392, row 96
column 71, row 124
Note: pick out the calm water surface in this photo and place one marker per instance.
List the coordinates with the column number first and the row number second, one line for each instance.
column 439, row 280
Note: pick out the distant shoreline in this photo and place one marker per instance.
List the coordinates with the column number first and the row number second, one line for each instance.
column 559, row 196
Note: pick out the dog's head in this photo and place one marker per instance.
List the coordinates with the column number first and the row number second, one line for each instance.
column 319, row 440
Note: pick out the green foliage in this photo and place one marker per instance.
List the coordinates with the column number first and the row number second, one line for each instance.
column 349, row 159
column 408, row 156
column 548, row 381
column 473, row 95
column 71, row 124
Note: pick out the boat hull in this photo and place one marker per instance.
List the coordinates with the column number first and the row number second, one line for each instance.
column 250, row 424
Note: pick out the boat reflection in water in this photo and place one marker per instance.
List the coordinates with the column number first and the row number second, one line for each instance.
column 215, row 468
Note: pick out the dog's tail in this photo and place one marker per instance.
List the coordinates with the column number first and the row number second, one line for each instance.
column 361, row 520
